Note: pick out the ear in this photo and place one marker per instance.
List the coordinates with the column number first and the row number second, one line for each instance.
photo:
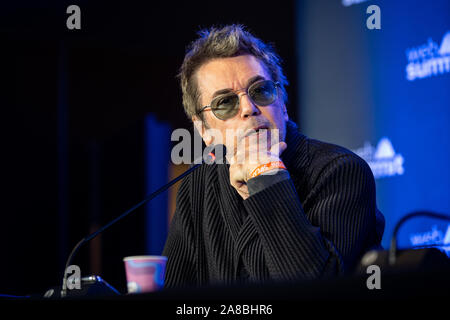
column 201, row 129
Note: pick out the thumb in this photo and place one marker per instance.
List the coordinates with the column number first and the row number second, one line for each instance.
column 278, row 148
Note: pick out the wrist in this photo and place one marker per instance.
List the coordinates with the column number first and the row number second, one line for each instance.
column 265, row 181
column 268, row 168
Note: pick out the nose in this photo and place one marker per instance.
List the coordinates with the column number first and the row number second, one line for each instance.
column 248, row 108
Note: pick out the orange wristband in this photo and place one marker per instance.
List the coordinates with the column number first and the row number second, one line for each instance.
column 266, row 167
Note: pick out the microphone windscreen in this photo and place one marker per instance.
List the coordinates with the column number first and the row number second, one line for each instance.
column 215, row 154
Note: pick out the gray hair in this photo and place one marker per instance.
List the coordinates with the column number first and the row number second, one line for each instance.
column 229, row 41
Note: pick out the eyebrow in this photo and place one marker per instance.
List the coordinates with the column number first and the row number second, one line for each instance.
column 249, row 83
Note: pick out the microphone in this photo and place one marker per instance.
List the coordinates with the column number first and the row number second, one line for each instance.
column 411, row 258
column 215, row 155
column 393, row 248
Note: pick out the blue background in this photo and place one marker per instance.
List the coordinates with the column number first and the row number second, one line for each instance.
column 353, row 88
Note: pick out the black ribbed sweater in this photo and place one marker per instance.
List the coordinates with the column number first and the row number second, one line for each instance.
column 317, row 223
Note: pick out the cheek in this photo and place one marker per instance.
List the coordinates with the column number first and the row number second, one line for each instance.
column 216, row 130
column 282, row 111
column 275, row 114
column 211, row 120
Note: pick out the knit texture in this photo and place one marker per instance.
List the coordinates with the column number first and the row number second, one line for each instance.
column 317, row 223
column 263, row 181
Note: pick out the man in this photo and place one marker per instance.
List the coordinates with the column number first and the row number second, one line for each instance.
column 303, row 210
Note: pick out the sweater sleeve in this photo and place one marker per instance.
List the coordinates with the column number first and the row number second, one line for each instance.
column 327, row 236
column 180, row 245
column 263, row 181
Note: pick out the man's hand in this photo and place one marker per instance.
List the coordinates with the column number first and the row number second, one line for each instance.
column 249, row 155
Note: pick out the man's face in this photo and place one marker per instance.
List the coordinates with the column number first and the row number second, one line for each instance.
column 234, row 74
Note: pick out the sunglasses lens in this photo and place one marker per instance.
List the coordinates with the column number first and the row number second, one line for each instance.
column 226, row 106
column 263, row 93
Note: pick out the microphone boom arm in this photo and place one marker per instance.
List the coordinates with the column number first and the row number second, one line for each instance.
column 123, row 215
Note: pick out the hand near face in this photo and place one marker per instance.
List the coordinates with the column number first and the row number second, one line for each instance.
column 250, row 154
column 235, row 74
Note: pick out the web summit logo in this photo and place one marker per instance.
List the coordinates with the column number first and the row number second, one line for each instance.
column 347, row 3
column 435, row 237
column 383, row 160
column 428, row 60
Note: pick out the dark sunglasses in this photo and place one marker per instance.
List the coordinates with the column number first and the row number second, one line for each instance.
column 226, row 106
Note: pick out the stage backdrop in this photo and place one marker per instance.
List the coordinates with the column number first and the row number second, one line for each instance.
column 384, row 94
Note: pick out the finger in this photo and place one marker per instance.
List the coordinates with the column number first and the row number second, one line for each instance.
column 246, row 147
column 237, row 175
column 278, row 148
column 283, row 146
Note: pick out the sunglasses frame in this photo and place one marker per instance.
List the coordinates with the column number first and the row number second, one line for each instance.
column 276, row 84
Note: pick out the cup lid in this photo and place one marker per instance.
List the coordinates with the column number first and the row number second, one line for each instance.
column 144, row 258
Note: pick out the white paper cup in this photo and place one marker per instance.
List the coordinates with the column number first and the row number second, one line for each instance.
column 145, row 273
